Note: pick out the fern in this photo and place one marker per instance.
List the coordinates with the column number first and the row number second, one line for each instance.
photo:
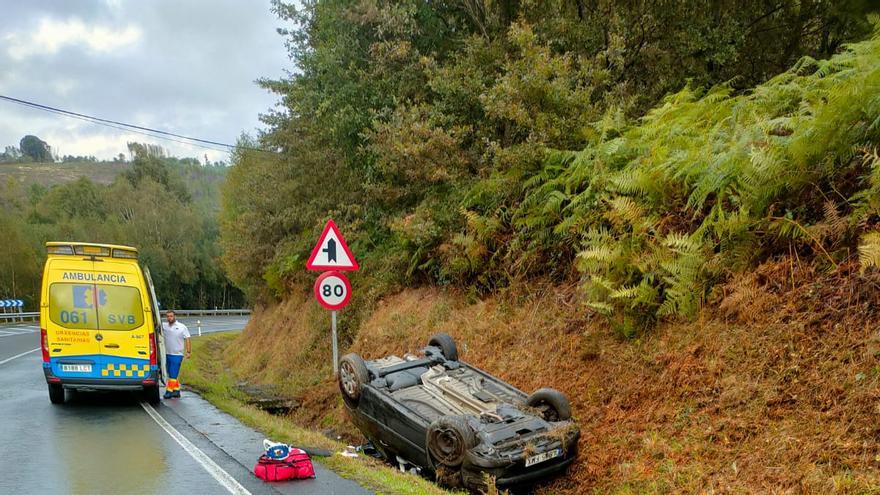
column 624, row 293
column 709, row 181
column 869, row 250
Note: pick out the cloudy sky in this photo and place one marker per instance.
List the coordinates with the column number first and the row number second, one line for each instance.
column 183, row 66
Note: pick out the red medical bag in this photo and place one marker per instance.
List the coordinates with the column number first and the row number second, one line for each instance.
column 295, row 466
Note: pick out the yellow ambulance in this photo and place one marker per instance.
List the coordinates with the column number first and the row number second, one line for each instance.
column 100, row 326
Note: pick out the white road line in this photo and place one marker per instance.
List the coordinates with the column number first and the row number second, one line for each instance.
column 20, row 355
column 4, row 333
column 18, row 331
column 210, row 466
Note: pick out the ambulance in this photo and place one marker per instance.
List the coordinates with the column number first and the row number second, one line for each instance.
column 99, row 321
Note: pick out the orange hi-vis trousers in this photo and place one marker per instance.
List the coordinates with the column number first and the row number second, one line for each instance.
column 173, row 365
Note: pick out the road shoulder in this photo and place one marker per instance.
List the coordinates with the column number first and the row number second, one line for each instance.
column 209, row 373
column 243, row 445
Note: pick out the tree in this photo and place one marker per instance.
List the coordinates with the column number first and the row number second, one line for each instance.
column 149, row 165
column 434, row 118
column 10, row 154
column 36, row 148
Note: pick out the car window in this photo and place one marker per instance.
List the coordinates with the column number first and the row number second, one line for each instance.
column 95, row 306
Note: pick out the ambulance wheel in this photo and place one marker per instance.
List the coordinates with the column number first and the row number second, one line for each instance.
column 56, row 393
column 151, row 395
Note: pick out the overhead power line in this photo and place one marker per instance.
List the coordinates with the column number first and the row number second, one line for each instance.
column 121, row 128
column 147, row 131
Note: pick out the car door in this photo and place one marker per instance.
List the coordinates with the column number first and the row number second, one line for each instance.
column 123, row 334
column 72, row 320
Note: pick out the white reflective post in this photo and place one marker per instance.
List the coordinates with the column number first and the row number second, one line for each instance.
column 199, row 324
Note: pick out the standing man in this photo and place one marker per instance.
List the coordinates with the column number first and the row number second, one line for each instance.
column 176, row 344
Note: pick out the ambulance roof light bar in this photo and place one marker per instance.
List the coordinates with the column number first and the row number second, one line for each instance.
column 93, row 250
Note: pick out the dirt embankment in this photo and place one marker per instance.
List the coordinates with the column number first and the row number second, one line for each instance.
column 774, row 390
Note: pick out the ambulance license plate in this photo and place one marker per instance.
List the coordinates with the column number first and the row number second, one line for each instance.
column 76, row 368
column 546, row 456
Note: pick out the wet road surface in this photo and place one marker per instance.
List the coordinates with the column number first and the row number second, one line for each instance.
column 111, row 443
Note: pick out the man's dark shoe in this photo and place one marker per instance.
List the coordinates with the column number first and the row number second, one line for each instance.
column 168, row 394
column 176, row 394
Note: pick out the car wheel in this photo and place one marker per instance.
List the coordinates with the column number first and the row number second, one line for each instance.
column 446, row 345
column 448, row 439
column 56, row 393
column 552, row 403
column 151, row 395
column 353, row 375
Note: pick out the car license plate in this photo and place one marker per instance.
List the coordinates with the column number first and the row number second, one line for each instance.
column 77, row 368
column 546, row 456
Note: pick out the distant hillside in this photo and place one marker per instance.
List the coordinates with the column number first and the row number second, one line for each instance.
column 51, row 174
column 166, row 206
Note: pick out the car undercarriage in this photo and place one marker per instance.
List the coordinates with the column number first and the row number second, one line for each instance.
column 439, row 413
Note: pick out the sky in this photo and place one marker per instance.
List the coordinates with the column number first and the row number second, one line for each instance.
column 182, row 66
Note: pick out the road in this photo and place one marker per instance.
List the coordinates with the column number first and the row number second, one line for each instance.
column 113, row 443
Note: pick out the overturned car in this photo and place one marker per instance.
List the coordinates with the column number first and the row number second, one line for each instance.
column 457, row 421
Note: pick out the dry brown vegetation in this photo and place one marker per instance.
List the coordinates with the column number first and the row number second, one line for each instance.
column 51, row 174
column 775, row 391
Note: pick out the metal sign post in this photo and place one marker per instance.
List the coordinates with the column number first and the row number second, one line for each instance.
column 335, row 345
column 333, row 291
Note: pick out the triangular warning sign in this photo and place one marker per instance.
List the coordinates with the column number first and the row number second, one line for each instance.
column 331, row 252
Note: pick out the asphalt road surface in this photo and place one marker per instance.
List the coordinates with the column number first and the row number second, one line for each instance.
column 112, row 443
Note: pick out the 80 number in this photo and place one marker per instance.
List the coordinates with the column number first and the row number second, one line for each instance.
column 332, row 290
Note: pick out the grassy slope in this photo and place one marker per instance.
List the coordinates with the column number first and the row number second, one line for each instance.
column 774, row 392
column 51, row 174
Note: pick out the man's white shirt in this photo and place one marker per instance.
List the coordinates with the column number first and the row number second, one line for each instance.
column 174, row 335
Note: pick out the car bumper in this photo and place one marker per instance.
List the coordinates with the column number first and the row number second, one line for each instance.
column 88, row 384
column 510, row 472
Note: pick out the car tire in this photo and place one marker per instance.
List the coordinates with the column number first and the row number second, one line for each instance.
column 448, row 440
column 353, row 375
column 446, row 344
column 552, row 403
column 151, row 395
column 56, row 393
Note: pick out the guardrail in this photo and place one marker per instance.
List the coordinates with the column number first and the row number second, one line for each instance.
column 210, row 312
column 12, row 317
column 5, row 317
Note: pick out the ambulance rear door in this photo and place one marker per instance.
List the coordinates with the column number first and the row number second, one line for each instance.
column 157, row 321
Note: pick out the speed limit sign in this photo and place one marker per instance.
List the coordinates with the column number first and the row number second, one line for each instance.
column 333, row 290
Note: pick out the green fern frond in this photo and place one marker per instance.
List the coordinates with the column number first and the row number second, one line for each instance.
column 681, row 243
column 599, row 254
column 625, row 210
column 554, row 202
column 600, row 307
column 869, row 250
column 624, row 293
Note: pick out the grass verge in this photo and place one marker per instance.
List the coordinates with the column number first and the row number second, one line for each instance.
column 217, row 385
